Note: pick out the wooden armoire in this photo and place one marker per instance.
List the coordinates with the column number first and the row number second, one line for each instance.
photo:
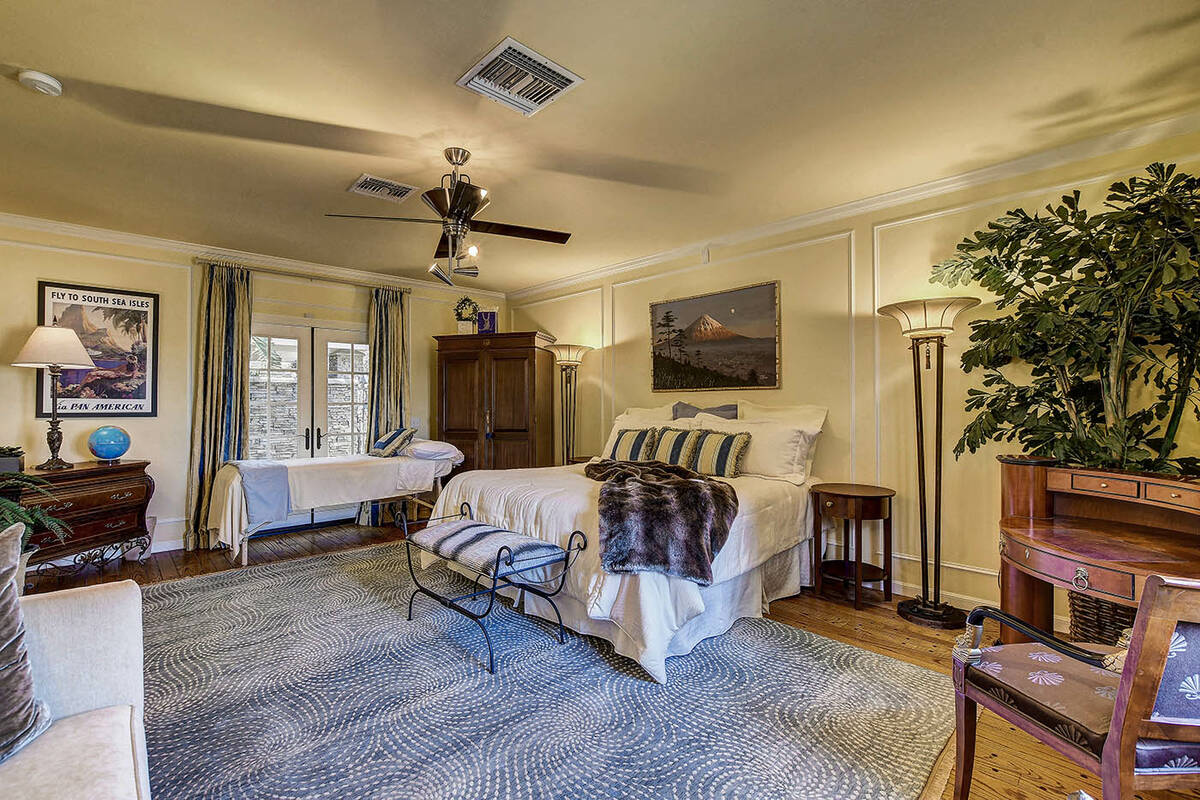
column 496, row 399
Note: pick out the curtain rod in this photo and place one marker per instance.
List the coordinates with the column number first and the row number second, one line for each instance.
column 290, row 273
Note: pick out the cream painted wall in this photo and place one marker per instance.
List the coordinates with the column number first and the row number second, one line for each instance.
column 46, row 251
column 836, row 350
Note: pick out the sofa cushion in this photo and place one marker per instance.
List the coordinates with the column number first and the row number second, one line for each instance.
column 88, row 755
column 1072, row 700
column 22, row 716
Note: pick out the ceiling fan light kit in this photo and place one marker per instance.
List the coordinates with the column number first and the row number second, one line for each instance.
column 40, row 82
column 456, row 200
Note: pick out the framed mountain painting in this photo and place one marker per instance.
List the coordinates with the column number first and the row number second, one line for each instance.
column 722, row 340
column 119, row 330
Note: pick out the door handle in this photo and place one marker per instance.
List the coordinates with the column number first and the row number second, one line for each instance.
column 308, row 438
column 487, row 424
column 318, row 438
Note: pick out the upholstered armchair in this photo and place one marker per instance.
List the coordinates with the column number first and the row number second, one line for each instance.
column 1136, row 726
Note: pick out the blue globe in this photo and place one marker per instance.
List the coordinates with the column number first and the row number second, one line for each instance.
column 108, row 442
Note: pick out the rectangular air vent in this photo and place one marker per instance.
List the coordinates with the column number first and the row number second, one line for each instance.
column 382, row 188
column 517, row 77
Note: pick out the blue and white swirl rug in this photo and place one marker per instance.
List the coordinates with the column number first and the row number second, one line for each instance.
column 303, row 679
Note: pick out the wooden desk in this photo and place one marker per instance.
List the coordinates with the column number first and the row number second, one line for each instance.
column 1094, row 532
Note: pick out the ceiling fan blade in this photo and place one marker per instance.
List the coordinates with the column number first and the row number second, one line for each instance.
column 393, row 219
column 519, row 231
column 440, row 274
column 438, row 199
column 443, row 247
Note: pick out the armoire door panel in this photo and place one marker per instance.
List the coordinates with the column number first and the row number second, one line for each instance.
column 511, row 388
column 461, row 398
column 510, row 453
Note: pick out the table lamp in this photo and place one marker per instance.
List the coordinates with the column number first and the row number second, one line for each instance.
column 928, row 322
column 569, row 357
column 54, row 349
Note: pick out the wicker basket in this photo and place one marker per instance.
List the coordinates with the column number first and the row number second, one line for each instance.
column 1096, row 620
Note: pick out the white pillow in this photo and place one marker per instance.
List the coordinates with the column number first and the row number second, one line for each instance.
column 637, row 419
column 431, row 450
column 778, row 449
column 810, row 418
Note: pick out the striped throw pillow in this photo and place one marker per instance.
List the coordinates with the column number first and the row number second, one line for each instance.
column 392, row 442
column 721, row 454
column 676, row 446
column 632, row 444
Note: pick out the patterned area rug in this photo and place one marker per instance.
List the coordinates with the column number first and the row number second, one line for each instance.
column 304, row 680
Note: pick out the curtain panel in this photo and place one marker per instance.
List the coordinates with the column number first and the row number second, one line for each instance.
column 221, row 400
column 387, row 383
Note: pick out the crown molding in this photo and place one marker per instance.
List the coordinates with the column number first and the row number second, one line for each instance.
column 316, row 270
column 1106, row 144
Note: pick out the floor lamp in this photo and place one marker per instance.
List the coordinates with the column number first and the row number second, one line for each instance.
column 926, row 324
column 569, row 357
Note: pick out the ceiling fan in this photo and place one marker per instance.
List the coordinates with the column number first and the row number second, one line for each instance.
column 456, row 201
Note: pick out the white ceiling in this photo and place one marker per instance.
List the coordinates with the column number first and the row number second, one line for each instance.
column 238, row 124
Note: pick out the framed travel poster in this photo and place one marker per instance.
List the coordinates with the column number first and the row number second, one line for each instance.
column 119, row 330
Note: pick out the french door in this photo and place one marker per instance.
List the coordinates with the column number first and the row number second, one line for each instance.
column 308, row 399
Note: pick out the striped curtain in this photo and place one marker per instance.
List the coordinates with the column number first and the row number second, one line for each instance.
column 221, row 399
column 387, row 388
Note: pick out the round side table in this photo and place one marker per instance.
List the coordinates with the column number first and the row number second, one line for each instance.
column 858, row 503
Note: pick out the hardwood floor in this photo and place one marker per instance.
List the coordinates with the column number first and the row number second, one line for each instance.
column 1009, row 764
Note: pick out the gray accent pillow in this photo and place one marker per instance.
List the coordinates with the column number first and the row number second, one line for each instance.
column 22, row 716
column 682, row 410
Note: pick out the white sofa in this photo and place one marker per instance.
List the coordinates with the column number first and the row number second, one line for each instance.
column 85, row 646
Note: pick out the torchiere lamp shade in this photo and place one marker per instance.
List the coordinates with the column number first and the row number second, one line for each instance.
column 50, row 345
column 934, row 316
column 569, row 355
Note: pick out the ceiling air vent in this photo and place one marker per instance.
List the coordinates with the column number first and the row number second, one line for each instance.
column 517, row 77
column 382, row 188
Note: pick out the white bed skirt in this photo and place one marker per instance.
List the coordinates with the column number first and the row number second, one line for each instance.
column 747, row 595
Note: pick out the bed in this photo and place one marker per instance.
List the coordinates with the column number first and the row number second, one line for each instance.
column 323, row 482
column 649, row 617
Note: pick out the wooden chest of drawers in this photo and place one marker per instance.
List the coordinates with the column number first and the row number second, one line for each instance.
column 103, row 504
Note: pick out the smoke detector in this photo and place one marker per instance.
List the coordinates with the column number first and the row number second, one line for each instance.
column 39, row 82
column 513, row 75
column 382, row 188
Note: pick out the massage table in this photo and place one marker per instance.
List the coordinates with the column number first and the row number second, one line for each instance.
column 321, row 482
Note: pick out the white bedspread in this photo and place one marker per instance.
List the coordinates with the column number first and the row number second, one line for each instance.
column 648, row 608
column 321, row 482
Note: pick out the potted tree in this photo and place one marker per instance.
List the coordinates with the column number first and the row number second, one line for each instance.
column 34, row 518
column 1092, row 358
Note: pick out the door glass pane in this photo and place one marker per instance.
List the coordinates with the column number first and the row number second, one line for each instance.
column 275, row 424
column 346, row 398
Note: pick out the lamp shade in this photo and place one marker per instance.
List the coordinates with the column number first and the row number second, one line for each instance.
column 568, row 354
column 931, row 317
column 50, row 345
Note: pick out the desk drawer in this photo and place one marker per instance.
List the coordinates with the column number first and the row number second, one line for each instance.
column 1073, row 574
column 1175, row 495
column 1117, row 487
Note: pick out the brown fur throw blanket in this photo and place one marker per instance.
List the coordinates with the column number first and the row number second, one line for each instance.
column 657, row 517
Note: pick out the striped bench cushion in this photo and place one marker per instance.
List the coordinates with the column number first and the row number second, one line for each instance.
column 475, row 544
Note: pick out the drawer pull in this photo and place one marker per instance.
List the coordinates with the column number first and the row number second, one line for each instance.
column 120, row 495
column 1080, row 581
column 112, row 526
column 1003, row 547
column 1175, row 495
column 829, row 504
column 1026, row 553
column 1103, row 485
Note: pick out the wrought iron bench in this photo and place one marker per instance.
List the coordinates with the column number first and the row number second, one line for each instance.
column 502, row 557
